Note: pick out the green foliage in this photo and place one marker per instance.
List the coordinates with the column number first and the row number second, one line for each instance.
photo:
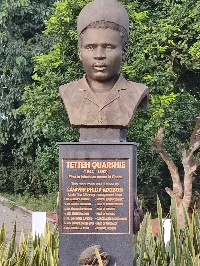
column 164, row 54
column 183, row 248
column 21, row 26
column 176, row 112
column 38, row 251
column 98, row 257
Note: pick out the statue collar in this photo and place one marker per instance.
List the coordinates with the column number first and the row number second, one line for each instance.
column 121, row 84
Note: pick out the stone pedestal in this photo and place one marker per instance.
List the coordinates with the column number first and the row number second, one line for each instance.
column 102, row 135
column 97, row 187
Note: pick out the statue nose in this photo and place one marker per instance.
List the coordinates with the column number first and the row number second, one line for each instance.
column 100, row 53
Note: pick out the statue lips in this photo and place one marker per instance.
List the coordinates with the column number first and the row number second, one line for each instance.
column 99, row 66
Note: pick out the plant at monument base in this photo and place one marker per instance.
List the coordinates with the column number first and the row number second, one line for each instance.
column 98, row 257
column 38, row 251
column 183, row 247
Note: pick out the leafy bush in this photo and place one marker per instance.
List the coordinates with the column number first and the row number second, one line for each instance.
column 182, row 249
column 39, row 251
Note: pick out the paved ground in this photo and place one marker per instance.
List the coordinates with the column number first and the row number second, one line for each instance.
column 10, row 212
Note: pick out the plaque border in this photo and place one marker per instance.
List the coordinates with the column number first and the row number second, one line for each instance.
column 129, row 194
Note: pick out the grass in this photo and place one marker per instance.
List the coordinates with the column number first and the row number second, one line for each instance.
column 47, row 203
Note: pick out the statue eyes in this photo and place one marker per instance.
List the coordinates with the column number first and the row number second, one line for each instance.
column 109, row 47
column 91, row 47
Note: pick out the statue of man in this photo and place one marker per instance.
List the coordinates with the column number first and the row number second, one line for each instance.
column 103, row 99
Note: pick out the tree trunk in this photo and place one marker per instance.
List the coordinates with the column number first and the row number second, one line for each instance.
column 181, row 191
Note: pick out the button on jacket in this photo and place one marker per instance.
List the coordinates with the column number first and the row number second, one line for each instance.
column 84, row 108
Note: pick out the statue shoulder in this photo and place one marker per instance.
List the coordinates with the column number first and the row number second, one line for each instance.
column 139, row 87
column 65, row 89
column 140, row 91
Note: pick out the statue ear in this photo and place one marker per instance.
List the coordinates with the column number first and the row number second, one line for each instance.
column 79, row 54
column 124, row 52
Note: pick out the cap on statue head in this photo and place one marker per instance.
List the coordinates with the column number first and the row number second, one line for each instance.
column 107, row 10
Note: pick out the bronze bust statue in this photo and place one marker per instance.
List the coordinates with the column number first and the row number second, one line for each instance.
column 103, row 99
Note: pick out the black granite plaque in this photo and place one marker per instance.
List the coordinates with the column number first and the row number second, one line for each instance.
column 97, row 186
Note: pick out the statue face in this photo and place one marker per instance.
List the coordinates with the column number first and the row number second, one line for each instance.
column 101, row 53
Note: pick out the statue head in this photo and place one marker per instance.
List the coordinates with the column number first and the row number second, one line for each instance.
column 103, row 25
column 98, row 12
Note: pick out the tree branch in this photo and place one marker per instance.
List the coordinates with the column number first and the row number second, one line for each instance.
column 195, row 136
column 190, row 165
column 158, row 144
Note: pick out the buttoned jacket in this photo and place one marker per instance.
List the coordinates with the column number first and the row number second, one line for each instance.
column 84, row 108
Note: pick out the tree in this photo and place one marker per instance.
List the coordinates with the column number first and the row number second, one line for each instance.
column 163, row 53
column 21, row 25
column 170, row 56
column 181, row 191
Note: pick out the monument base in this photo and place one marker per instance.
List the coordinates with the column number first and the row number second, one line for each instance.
column 97, row 187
